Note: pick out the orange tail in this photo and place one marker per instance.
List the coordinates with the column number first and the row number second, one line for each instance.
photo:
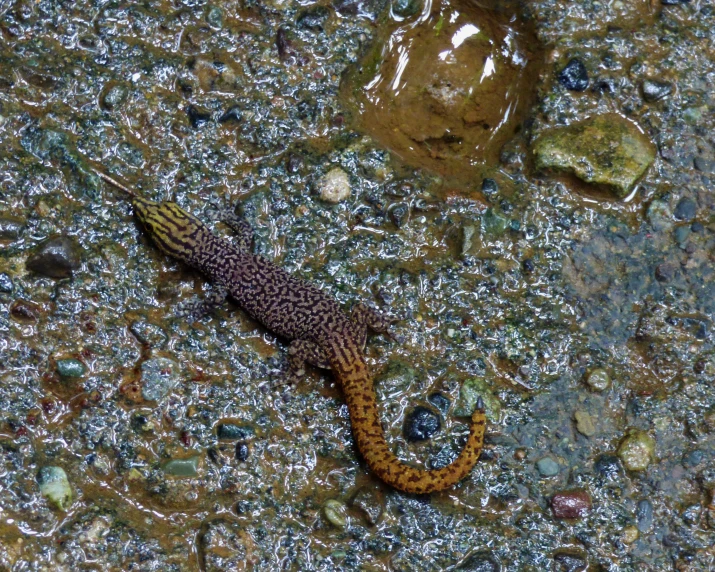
column 367, row 429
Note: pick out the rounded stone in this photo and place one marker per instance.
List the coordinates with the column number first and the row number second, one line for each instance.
column 242, row 451
column 574, row 76
column 420, row 424
column 334, row 186
column 183, row 467
column 334, row 512
column 584, row 423
column 55, row 486
column 570, row 504
column 636, row 450
column 11, row 228
column 234, row 431
column 655, row 90
column 57, row 257
column 547, row 467
column 440, row 401
column 70, row 368
column 598, row 379
column 685, row 210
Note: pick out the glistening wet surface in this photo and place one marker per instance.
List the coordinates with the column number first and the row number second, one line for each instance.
column 133, row 440
column 446, row 88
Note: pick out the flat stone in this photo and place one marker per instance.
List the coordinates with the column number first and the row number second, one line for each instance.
column 70, row 367
column 183, row 467
column 57, row 257
column 606, row 150
column 584, row 423
column 334, row 187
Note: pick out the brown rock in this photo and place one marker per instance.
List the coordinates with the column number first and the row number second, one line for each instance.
column 570, row 504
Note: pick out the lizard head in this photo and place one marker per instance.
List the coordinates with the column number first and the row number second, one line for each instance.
column 172, row 229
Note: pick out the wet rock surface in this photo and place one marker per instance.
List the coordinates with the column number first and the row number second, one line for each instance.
column 554, row 283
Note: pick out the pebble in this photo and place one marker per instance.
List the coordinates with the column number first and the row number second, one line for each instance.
column 480, row 562
column 644, row 515
column 5, row 283
column 148, row 333
column 493, row 224
column 214, row 17
column 231, row 115
column 196, row 117
column 584, row 423
column 606, row 150
column 571, row 562
column 159, row 376
column 598, row 379
column 630, row 535
column 608, row 466
column 692, row 458
column 313, row 19
column 57, row 257
column 183, row 467
column 242, row 451
column 665, row 272
column 11, row 228
column 371, row 503
column 570, row 504
column 685, row 210
column 406, row 8
column 234, row 432
column 704, row 165
column 489, row 188
column 655, row 90
column 334, row 511
column 659, row 215
column 420, row 424
column 25, row 312
column 113, row 97
column 472, row 389
column 334, row 186
column 70, row 368
column 547, row 467
column 636, row 450
column 440, row 401
column 55, row 486
column 574, row 76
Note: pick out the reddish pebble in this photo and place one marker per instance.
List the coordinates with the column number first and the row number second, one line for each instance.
column 570, row 504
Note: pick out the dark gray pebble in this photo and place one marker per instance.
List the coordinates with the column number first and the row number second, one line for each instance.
column 665, row 272
column 692, row 458
column 686, row 209
column 406, row 8
column 5, row 283
column 574, row 76
column 570, row 562
column 655, row 90
column 242, row 451
column 704, row 165
column 440, row 401
column 608, row 466
column 420, row 424
column 313, row 19
column 231, row 115
column 196, row 117
column 11, row 228
column 56, row 257
column 233, row 431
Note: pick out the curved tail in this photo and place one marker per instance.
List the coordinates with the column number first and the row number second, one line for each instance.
column 367, row 430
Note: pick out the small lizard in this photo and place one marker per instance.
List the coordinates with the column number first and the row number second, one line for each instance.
column 321, row 334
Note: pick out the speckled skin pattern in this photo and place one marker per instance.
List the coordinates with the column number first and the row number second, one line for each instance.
column 323, row 335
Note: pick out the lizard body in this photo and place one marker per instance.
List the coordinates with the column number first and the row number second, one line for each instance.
column 321, row 333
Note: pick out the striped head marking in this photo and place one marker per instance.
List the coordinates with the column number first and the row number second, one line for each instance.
column 174, row 231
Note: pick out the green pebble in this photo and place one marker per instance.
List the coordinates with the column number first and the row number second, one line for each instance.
column 55, row 486
column 598, row 380
column 335, row 513
column 183, row 467
column 547, row 467
column 70, row 368
column 584, row 423
column 636, row 450
column 234, row 432
column 494, row 224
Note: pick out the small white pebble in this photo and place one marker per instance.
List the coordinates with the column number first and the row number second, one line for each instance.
column 334, row 186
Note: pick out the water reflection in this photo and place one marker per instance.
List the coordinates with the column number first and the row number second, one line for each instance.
column 447, row 88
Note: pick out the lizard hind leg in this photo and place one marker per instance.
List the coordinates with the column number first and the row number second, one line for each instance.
column 363, row 318
column 301, row 352
column 239, row 225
